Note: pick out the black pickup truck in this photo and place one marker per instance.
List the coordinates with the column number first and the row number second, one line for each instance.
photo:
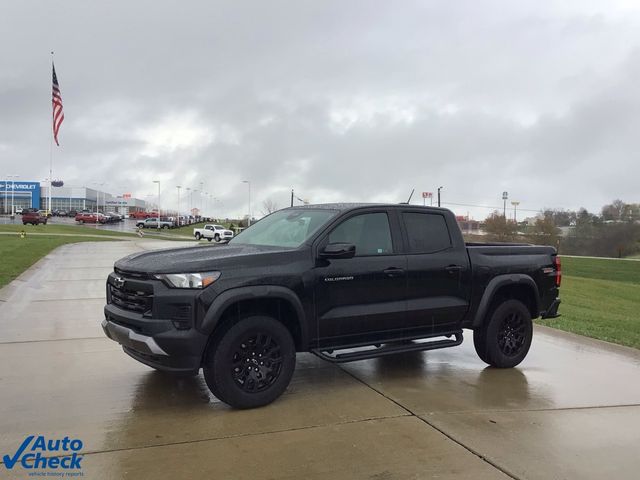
column 343, row 281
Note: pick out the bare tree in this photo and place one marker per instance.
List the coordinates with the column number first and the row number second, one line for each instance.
column 269, row 206
column 499, row 228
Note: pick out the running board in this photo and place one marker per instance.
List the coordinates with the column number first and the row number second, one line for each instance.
column 380, row 350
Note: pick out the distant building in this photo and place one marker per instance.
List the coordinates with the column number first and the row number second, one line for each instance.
column 34, row 195
column 25, row 195
column 468, row 225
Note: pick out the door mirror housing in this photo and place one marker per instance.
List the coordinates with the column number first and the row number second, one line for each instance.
column 338, row 250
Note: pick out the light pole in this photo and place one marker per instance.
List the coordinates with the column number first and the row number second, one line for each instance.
column 179, row 219
column 6, row 196
column 249, row 185
column 13, row 189
column 515, row 211
column 201, row 199
column 97, row 200
column 158, row 182
column 505, row 197
column 439, row 188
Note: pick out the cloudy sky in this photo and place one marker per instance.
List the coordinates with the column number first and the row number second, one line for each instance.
column 341, row 100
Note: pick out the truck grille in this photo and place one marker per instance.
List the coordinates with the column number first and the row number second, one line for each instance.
column 131, row 299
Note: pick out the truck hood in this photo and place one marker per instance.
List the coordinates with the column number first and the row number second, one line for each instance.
column 193, row 259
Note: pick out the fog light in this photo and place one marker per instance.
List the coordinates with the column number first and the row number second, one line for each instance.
column 181, row 324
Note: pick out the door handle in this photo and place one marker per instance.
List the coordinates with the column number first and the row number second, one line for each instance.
column 394, row 272
column 453, row 268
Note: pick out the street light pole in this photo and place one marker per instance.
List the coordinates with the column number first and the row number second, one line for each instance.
column 179, row 218
column 158, row 182
column 505, row 197
column 13, row 189
column 515, row 211
column 249, row 185
column 201, row 199
column 439, row 188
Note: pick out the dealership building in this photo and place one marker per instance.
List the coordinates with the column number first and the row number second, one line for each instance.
column 33, row 195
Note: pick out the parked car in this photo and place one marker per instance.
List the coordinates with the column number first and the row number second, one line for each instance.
column 113, row 217
column 59, row 213
column 90, row 217
column 140, row 215
column 19, row 211
column 326, row 279
column 33, row 216
column 153, row 223
column 72, row 213
column 45, row 213
column 213, row 232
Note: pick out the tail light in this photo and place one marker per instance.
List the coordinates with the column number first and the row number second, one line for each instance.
column 558, row 265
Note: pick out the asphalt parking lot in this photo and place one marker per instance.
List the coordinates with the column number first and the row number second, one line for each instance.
column 571, row 410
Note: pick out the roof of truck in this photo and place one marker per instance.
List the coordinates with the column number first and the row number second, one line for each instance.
column 350, row 206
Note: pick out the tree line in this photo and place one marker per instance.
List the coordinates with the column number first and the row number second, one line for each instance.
column 614, row 232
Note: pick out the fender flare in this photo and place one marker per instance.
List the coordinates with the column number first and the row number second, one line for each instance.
column 254, row 292
column 498, row 282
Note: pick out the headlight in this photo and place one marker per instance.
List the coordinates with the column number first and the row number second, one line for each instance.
column 189, row 280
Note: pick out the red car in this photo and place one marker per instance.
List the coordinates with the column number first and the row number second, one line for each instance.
column 87, row 217
column 33, row 217
column 142, row 215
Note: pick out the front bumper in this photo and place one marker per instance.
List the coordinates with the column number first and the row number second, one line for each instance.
column 156, row 343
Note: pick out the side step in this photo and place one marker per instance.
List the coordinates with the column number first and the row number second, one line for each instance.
column 379, row 350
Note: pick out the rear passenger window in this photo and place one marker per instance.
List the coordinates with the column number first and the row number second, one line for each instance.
column 427, row 232
column 369, row 232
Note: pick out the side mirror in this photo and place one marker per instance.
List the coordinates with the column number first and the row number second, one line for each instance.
column 338, row 250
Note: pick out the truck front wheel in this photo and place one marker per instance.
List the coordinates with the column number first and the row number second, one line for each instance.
column 250, row 364
column 504, row 339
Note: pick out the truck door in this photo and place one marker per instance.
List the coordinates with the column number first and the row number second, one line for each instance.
column 439, row 273
column 364, row 294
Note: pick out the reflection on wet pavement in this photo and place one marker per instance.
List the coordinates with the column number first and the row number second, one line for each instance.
column 570, row 410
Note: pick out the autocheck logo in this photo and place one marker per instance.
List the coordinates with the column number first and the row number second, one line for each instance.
column 39, row 453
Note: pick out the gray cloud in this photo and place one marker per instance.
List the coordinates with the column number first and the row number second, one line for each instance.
column 341, row 100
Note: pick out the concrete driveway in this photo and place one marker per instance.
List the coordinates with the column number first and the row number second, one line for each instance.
column 572, row 410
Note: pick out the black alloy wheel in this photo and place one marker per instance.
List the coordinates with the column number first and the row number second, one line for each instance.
column 256, row 362
column 511, row 334
column 504, row 339
column 249, row 363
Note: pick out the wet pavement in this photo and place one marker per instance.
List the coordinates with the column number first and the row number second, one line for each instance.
column 571, row 410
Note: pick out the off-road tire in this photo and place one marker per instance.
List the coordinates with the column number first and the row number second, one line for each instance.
column 504, row 339
column 250, row 363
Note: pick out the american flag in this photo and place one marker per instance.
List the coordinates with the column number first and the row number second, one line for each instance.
column 56, row 100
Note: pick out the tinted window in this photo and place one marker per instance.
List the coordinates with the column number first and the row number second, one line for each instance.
column 427, row 232
column 370, row 233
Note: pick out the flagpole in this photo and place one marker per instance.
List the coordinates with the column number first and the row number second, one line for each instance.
column 51, row 152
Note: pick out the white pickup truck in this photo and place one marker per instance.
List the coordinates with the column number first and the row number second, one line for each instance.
column 213, row 232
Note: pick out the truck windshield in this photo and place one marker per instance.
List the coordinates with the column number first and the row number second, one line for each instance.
column 285, row 228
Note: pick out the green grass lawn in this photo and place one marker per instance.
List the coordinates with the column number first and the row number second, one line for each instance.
column 66, row 229
column 600, row 299
column 17, row 254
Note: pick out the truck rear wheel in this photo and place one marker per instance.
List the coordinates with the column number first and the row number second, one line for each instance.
column 504, row 340
column 251, row 363
column 198, row 236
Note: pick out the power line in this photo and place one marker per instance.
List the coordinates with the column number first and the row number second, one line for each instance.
column 490, row 207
